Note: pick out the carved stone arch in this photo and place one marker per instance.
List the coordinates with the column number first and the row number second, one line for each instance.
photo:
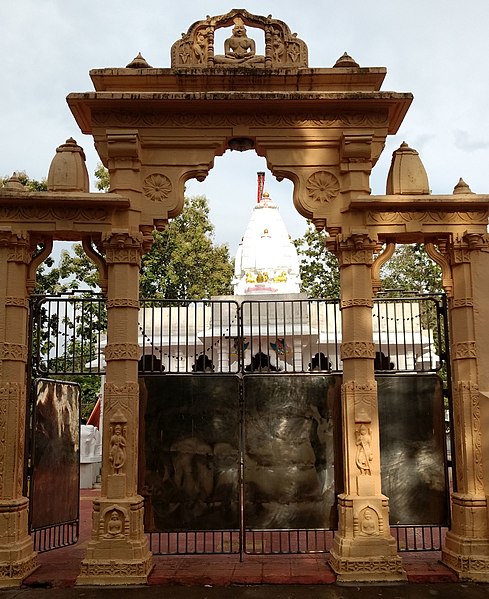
column 381, row 259
column 98, row 260
column 443, row 262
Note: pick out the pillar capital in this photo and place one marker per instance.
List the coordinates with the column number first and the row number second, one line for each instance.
column 123, row 247
column 357, row 247
column 18, row 245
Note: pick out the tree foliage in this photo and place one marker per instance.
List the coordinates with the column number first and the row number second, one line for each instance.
column 184, row 263
column 30, row 184
column 411, row 269
column 318, row 266
column 103, row 179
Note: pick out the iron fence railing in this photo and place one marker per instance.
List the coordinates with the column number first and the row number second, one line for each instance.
column 272, row 336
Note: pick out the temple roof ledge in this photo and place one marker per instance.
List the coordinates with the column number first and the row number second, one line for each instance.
column 464, row 201
column 64, row 198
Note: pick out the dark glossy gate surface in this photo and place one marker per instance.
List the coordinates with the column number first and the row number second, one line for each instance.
column 289, row 451
column 239, row 464
column 189, row 472
column 55, row 480
column 413, row 450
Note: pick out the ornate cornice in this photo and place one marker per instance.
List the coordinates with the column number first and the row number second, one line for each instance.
column 427, row 217
column 255, row 118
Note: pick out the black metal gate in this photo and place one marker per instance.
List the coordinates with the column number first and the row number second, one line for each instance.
column 243, row 444
column 65, row 344
column 240, row 416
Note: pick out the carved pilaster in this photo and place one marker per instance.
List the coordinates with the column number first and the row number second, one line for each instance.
column 118, row 552
column 122, row 247
column 17, row 556
column 467, row 543
column 363, row 397
column 366, row 552
column 363, row 549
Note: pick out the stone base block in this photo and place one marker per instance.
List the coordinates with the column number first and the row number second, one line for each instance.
column 114, row 572
column 368, row 570
column 12, row 574
column 468, row 558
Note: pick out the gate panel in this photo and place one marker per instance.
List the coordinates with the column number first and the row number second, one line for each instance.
column 290, row 460
column 54, row 489
column 413, row 449
column 190, row 461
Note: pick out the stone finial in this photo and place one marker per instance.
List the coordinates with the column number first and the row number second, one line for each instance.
column 15, row 183
column 407, row 174
column 68, row 171
column 461, row 187
column 139, row 62
column 346, row 61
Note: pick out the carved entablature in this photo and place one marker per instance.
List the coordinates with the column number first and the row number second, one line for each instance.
column 416, row 218
column 196, row 49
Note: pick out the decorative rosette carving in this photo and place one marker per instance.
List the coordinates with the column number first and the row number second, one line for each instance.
column 157, row 187
column 322, row 186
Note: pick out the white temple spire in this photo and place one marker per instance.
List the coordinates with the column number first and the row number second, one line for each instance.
column 266, row 261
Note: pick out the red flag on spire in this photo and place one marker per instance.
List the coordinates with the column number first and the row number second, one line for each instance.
column 261, row 186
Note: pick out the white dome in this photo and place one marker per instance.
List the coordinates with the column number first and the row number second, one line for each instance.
column 266, row 260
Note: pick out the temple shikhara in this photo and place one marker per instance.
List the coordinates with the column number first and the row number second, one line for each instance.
column 263, row 419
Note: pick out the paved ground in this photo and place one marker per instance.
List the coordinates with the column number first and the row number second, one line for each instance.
column 225, row 577
column 407, row 591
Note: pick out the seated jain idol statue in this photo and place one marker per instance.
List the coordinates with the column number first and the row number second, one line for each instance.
column 239, row 49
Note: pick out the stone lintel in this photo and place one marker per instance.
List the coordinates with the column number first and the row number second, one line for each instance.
column 45, row 199
column 195, row 79
column 272, row 101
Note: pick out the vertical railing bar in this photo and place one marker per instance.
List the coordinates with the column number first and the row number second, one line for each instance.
column 413, row 338
column 404, row 343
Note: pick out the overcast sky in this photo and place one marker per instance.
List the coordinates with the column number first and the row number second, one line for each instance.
column 436, row 49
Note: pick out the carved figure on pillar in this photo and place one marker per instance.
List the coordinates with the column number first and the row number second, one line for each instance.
column 115, row 525
column 369, row 522
column 117, row 455
column 364, row 453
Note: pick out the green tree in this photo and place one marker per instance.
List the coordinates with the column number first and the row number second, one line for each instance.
column 103, row 179
column 411, row 269
column 31, row 184
column 318, row 266
column 184, row 262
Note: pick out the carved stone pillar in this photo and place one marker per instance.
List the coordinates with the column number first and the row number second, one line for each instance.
column 17, row 556
column 467, row 543
column 363, row 549
column 118, row 550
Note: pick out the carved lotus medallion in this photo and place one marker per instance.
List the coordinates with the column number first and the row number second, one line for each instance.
column 157, row 187
column 322, row 186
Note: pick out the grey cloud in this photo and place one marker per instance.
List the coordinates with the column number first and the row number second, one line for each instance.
column 463, row 141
